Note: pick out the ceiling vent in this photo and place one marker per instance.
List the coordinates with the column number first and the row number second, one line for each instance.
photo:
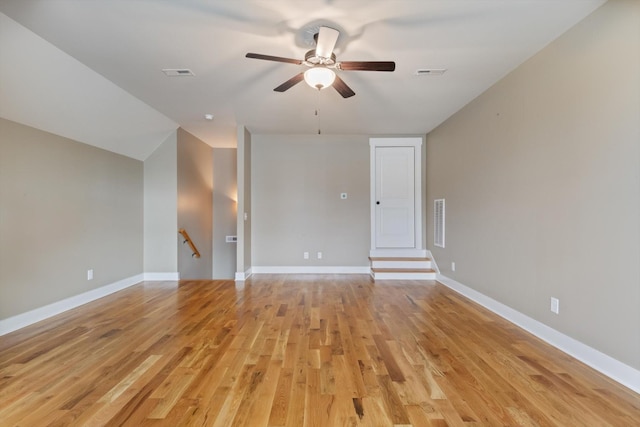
column 178, row 72
column 430, row 71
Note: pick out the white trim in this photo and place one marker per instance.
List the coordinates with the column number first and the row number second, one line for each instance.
column 240, row 276
column 438, row 222
column 403, row 263
column 400, row 253
column 30, row 317
column 614, row 369
column 162, row 277
column 398, row 141
column 434, row 264
column 416, row 143
column 312, row 270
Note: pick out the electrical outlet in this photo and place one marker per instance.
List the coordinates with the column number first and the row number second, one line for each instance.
column 555, row 305
column 305, row 255
column 319, row 255
column 90, row 274
column 453, row 266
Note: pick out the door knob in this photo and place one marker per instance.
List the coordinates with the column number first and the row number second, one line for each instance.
column 377, row 203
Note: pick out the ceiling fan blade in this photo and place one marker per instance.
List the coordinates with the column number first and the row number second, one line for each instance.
column 274, row 58
column 342, row 88
column 290, row 83
column 367, row 65
column 327, row 38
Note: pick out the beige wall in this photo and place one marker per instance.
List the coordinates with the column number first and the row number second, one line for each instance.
column 296, row 183
column 541, row 176
column 161, row 208
column 65, row 207
column 195, row 186
column 225, row 194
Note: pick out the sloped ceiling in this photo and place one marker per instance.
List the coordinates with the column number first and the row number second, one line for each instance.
column 43, row 87
column 91, row 70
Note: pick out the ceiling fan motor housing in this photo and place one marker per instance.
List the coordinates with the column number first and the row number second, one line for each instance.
column 312, row 59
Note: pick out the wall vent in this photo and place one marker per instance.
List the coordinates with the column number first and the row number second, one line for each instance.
column 438, row 223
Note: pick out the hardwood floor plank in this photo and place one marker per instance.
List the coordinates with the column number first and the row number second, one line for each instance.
column 109, row 404
column 296, row 350
column 251, row 392
column 418, row 417
column 126, row 383
column 131, row 411
column 264, row 400
column 374, row 412
column 396, row 410
column 316, row 408
column 395, row 373
column 280, row 405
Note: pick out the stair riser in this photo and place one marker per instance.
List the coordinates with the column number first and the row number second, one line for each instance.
column 404, row 276
column 401, row 264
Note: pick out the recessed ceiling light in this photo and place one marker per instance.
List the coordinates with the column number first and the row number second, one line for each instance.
column 208, row 116
column 430, row 71
column 177, row 72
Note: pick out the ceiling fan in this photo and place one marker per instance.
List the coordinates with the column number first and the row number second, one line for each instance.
column 322, row 63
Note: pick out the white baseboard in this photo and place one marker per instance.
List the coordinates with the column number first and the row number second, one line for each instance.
column 240, row 276
column 607, row 365
column 162, row 277
column 30, row 317
column 312, row 270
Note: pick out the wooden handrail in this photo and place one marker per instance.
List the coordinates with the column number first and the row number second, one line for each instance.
column 188, row 240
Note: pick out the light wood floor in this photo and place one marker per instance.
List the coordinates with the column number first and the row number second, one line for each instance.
column 296, row 351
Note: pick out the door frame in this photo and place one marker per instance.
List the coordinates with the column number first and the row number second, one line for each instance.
column 416, row 143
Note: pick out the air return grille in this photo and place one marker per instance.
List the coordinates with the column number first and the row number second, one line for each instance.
column 430, row 71
column 438, row 223
column 178, row 72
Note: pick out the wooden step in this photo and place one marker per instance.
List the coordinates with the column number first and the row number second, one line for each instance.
column 402, row 268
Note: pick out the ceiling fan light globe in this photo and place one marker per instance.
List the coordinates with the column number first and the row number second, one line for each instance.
column 319, row 77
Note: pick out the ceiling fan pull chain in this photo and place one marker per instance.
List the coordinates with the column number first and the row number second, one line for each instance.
column 318, row 111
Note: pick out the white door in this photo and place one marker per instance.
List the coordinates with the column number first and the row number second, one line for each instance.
column 395, row 197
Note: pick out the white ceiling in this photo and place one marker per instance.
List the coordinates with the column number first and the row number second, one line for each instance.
column 75, row 75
